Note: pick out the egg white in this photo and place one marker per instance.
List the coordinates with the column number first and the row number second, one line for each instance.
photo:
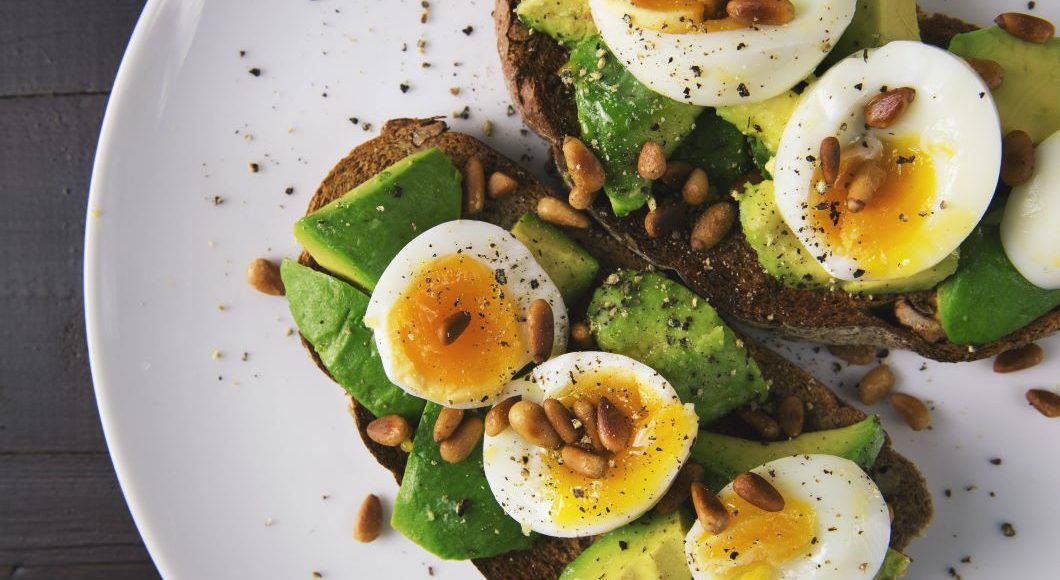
column 494, row 247
column 853, row 524
column 1030, row 229
column 526, row 495
column 725, row 67
column 953, row 118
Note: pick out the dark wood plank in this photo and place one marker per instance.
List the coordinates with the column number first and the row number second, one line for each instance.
column 63, row 46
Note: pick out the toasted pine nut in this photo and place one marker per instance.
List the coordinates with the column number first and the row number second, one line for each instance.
column 264, row 276
column 886, row 108
column 855, row 354
column 581, row 336
column 712, row 226
column 584, row 462
column 766, row 427
column 541, row 326
column 773, row 12
column 585, row 169
column 928, row 328
column 696, row 190
column 875, row 385
column 1046, row 402
column 988, row 70
column 530, row 422
column 579, row 198
column 369, row 522
column 474, row 186
column 713, row 9
column 614, row 426
column 497, row 417
column 1017, row 158
column 446, row 424
column 681, row 488
column 676, row 174
column 664, row 220
column 556, row 211
column 453, row 326
column 463, row 441
column 913, row 410
column 1026, row 27
column 389, row 430
column 755, row 490
column 711, row 513
column 1019, row 358
column 501, row 185
column 586, row 413
column 651, row 162
column 868, row 178
column 829, row 153
column 561, row 420
column 791, row 415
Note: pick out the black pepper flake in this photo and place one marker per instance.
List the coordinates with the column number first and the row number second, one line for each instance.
column 396, row 191
column 289, row 190
column 242, row 53
column 254, row 167
column 904, row 160
column 742, row 90
column 468, row 30
column 859, row 273
column 218, row 200
column 1008, row 530
column 511, row 110
column 355, row 120
column 623, row 545
column 255, row 71
column 500, row 276
column 462, row 507
column 859, row 86
column 404, row 87
column 696, row 70
column 741, row 46
column 995, row 461
column 462, row 114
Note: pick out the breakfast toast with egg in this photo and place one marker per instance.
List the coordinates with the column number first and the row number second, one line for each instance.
column 898, row 479
column 729, row 274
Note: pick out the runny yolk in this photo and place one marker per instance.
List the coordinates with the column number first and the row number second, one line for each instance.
column 636, row 474
column 890, row 233
column 488, row 352
column 756, row 542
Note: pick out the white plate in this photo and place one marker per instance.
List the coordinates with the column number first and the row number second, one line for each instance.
column 252, row 469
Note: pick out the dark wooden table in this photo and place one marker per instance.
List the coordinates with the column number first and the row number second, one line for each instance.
column 62, row 514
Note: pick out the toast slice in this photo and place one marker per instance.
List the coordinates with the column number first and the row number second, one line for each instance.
column 729, row 274
column 901, row 483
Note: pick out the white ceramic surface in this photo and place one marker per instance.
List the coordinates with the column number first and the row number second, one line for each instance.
column 251, row 468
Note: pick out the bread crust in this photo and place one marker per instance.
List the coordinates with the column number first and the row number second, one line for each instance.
column 901, row 483
column 729, row 275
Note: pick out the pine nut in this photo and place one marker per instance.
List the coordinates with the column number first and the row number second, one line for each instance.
column 988, row 70
column 913, row 410
column 497, row 417
column 681, row 488
column 581, row 336
column 584, row 462
column 696, row 190
column 561, row 420
column 369, row 522
column 868, row 178
column 886, row 108
column 530, row 422
column 711, row 513
column 614, row 426
column 585, row 169
column 463, row 441
column 586, row 413
column 446, row 424
column 766, row 427
column 772, row 12
column 651, row 162
column 712, row 226
column 1046, row 402
column 829, row 154
column 676, row 174
column 556, row 211
column 791, row 415
column 755, row 490
column 501, row 185
column 264, row 276
column 453, row 326
column 1017, row 158
column 855, row 354
column 474, row 186
column 1019, row 358
column 579, row 198
column 541, row 328
column 664, row 220
column 875, row 385
column 389, row 430
column 1026, row 27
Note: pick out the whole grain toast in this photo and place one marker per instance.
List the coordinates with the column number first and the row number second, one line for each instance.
column 729, row 274
column 898, row 479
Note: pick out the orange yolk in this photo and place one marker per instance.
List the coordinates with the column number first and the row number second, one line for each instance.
column 758, row 542
column 635, row 473
column 489, row 351
column 888, row 234
column 674, row 16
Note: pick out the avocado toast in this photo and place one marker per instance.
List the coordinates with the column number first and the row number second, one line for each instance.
column 897, row 478
column 731, row 274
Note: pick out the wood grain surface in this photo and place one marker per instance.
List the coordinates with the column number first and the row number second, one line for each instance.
column 62, row 514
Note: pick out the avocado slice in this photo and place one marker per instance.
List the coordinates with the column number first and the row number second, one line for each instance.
column 330, row 315
column 448, row 508
column 649, row 548
column 764, row 120
column 570, row 267
column 724, row 457
column 566, row 21
column 895, row 564
column 618, row 115
column 875, row 23
column 988, row 298
column 664, row 325
column 1028, row 98
column 718, row 148
column 357, row 235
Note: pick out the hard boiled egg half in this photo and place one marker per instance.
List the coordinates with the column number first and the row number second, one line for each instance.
column 537, row 490
column 668, row 46
column 463, row 268
column 941, row 157
column 1030, row 230
column 834, row 526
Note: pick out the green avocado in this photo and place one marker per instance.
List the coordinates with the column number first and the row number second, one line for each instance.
column 875, row 23
column 565, row 21
column 649, row 548
column 988, row 298
column 617, row 115
column 1027, row 99
column 329, row 313
column 718, row 148
column 764, row 120
column 665, row 326
column 570, row 267
column 357, row 235
column 448, row 508
column 895, row 564
column 725, row 457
